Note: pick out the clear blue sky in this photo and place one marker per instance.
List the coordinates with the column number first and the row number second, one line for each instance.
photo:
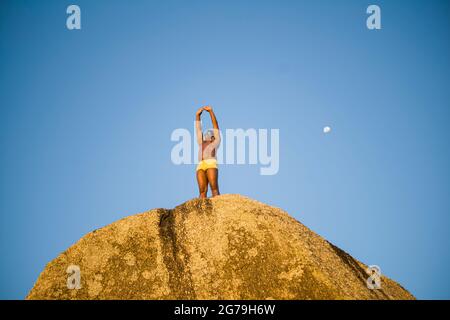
column 86, row 118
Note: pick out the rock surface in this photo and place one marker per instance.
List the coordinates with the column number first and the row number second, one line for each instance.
column 228, row 247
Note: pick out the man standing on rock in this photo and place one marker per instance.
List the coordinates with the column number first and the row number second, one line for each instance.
column 207, row 171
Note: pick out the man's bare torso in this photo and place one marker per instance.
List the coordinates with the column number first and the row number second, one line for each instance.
column 208, row 150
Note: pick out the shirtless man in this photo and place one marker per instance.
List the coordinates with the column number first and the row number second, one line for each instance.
column 207, row 172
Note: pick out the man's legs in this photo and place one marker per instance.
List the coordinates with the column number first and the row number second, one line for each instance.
column 213, row 175
column 202, row 183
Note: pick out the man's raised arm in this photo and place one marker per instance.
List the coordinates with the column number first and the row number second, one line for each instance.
column 214, row 123
column 198, row 126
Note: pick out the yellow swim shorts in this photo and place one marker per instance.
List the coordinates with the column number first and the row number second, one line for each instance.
column 207, row 164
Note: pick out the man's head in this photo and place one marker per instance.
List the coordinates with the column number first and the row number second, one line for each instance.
column 208, row 135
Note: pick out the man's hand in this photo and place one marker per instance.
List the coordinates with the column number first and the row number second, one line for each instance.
column 200, row 110
column 207, row 108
